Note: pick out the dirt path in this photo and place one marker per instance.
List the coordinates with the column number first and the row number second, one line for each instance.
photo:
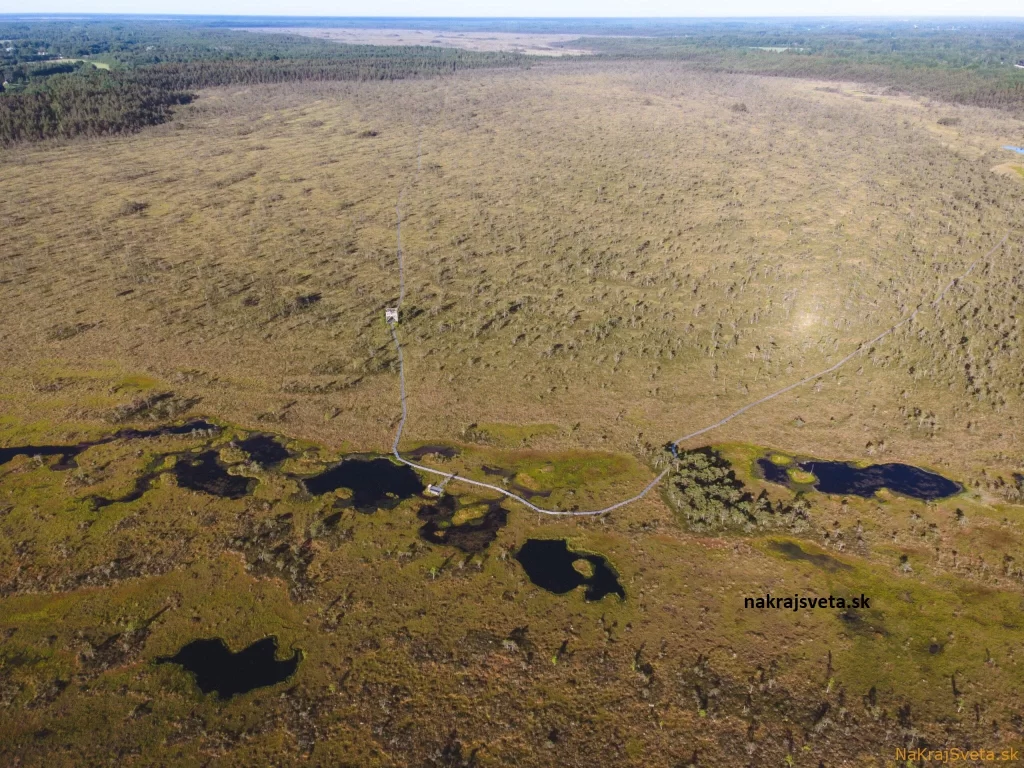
column 449, row 477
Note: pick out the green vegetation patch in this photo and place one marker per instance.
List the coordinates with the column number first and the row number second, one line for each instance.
column 509, row 435
column 468, row 514
column 703, row 488
column 801, row 476
column 575, row 470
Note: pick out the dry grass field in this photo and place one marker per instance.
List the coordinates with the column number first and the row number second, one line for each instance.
column 532, row 44
column 616, row 251
column 600, row 257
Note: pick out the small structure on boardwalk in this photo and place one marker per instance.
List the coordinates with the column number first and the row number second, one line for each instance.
column 391, row 314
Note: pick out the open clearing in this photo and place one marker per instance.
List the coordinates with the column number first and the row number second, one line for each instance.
column 532, row 44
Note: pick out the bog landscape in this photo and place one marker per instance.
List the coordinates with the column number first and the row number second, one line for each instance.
column 221, row 541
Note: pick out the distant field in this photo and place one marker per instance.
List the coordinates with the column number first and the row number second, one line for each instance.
column 532, row 44
column 97, row 64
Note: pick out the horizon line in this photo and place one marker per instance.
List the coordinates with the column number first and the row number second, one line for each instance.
column 42, row 15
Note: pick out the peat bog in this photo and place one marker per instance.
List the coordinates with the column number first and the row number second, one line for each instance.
column 265, row 450
column 474, row 535
column 198, row 473
column 219, row 670
column 550, row 564
column 204, row 473
column 69, row 452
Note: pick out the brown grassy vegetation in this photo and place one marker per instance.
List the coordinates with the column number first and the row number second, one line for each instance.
column 532, row 44
column 613, row 250
column 599, row 259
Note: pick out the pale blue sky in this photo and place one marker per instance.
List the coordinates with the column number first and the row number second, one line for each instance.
column 549, row 8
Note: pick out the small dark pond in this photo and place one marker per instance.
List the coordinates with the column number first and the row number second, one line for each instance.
column 217, row 669
column 69, row 452
column 772, row 472
column 199, row 473
column 375, row 483
column 497, row 471
column 549, row 565
column 205, row 473
column 448, row 451
column 840, row 478
column 474, row 535
column 264, row 450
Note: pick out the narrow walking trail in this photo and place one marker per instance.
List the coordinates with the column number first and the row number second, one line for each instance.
column 451, row 477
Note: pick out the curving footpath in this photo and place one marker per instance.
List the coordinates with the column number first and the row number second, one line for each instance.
column 651, row 485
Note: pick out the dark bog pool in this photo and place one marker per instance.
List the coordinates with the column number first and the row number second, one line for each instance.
column 218, row 670
column 840, row 478
column 447, row 451
column 69, row 452
column 549, row 564
column 375, row 483
column 264, row 450
column 474, row 535
column 204, row 473
column 772, row 472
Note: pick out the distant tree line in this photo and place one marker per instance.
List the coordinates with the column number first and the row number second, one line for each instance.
column 51, row 88
column 86, row 103
column 363, row 63
column 155, row 67
column 970, row 69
